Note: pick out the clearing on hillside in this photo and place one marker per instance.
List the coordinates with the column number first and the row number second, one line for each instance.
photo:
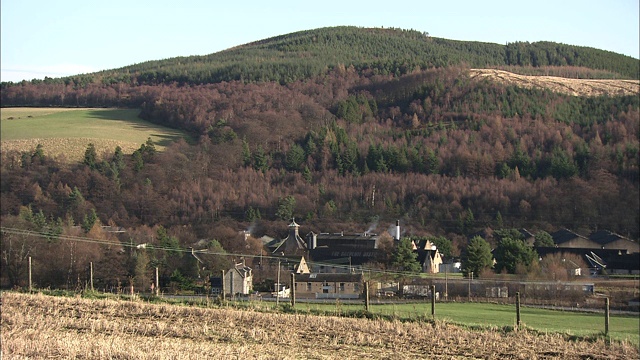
column 575, row 87
column 65, row 132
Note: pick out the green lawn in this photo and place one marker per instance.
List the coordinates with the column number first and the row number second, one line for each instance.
column 69, row 131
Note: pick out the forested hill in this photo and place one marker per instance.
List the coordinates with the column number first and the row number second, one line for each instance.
column 341, row 128
column 305, row 54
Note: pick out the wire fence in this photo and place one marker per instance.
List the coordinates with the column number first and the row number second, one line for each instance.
column 410, row 297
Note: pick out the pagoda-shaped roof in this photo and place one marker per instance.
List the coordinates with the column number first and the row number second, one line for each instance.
column 293, row 245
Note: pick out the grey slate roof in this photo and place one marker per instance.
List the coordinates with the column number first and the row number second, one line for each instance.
column 564, row 235
column 604, row 237
column 328, row 277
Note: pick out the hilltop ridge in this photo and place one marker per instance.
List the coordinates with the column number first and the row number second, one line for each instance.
column 374, row 51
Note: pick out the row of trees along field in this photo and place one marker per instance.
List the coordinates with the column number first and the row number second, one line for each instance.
column 59, row 254
column 447, row 154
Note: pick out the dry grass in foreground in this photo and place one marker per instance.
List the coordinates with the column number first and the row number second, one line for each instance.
column 39, row 327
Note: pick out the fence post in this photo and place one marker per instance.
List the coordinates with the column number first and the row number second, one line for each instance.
column 278, row 287
column 446, row 285
column 91, row 274
column 469, row 290
column 293, row 290
column 366, row 296
column 518, row 310
column 433, row 301
column 30, row 282
column 157, row 283
column 224, row 291
column 606, row 316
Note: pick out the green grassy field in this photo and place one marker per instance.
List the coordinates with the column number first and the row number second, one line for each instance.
column 69, row 131
column 484, row 315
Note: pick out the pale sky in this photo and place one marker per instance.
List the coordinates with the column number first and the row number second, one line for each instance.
column 68, row 37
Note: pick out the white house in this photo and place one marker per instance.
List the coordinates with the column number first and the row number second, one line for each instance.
column 238, row 280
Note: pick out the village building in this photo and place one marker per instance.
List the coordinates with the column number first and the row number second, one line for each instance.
column 603, row 250
column 329, row 286
column 292, row 245
column 340, row 252
column 344, row 252
column 428, row 256
column 565, row 238
column 610, row 261
column 528, row 237
column 609, row 240
column 451, row 266
column 236, row 281
column 302, row 267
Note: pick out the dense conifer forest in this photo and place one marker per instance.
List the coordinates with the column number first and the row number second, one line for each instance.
column 340, row 128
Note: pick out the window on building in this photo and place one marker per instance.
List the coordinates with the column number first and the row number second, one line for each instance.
column 308, row 286
column 341, row 287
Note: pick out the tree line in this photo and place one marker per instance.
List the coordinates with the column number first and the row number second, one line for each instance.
column 362, row 127
column 340, row 150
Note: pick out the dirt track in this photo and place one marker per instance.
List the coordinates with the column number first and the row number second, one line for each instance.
column 576, row 87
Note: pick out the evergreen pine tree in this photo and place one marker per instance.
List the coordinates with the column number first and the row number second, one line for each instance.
column 404, row 258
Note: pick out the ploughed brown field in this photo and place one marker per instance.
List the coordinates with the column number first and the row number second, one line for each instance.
column 45, row 327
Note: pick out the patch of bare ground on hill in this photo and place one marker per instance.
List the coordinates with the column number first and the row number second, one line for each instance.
column 39, row 326
column 575, row 87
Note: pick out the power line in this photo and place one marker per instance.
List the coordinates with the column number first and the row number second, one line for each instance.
column 50, row 235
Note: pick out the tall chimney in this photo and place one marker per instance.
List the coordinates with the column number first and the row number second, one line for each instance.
column 397, row 229
column 312, row 241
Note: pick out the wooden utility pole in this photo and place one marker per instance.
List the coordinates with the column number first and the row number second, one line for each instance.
column 91, row 274
column 293, row 290
column 30, row 282
column 224, row 291
column 278, row 286
column 157, row 283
